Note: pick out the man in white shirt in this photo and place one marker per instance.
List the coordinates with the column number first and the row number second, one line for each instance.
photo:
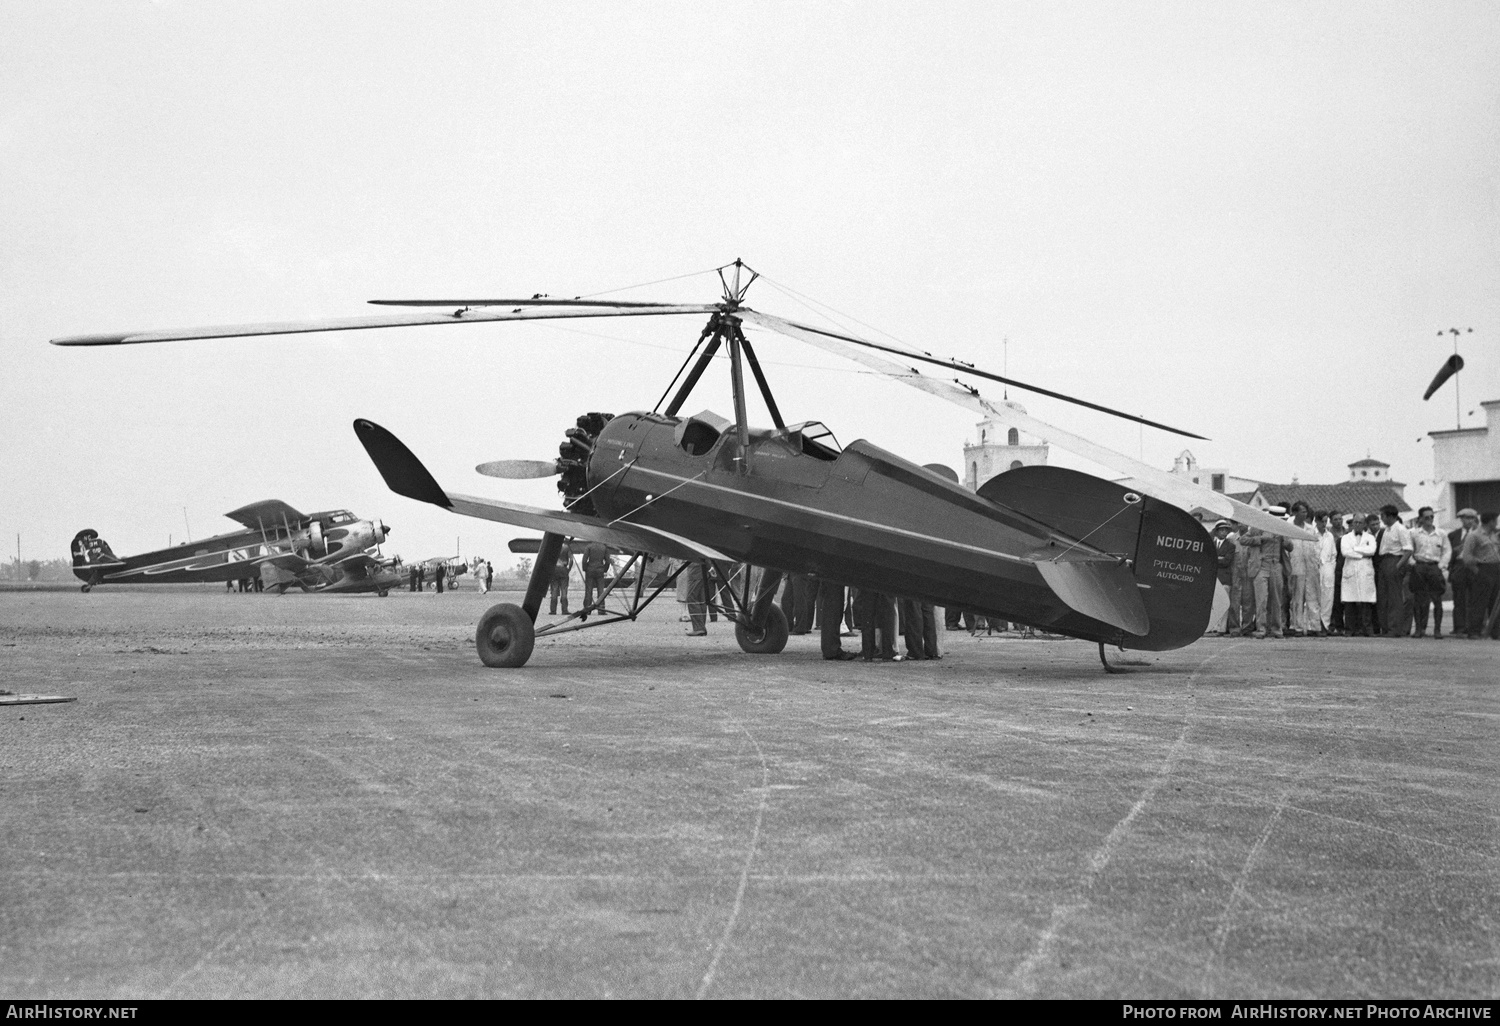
column 1392, row 560
column 1431, row 556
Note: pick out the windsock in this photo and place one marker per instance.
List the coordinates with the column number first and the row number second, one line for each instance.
column 1451, row 366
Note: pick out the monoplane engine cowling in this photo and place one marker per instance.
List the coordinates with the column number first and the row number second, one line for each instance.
column 573, row 461
column 317, row 545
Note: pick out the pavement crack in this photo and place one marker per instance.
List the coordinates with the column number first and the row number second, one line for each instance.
column 739, row 894
column 1023, row 980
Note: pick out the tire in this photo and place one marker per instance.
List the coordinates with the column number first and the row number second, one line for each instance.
column 85, row 588
column 505, row 636
column 770, row 640
column 383, row 592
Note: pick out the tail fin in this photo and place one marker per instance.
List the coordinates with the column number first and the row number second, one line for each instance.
column 89, row 549
column 1171, row 558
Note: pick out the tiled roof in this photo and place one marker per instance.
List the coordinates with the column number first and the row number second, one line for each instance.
column 1346, row 497
column 1367, row 462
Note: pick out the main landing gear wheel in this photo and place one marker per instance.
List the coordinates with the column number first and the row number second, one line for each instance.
column 505, row 636
column 769, row 640
column 85, row 588
column 382, row 592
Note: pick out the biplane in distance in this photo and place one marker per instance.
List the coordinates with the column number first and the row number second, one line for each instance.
column 282, row 548
column 1117, row 562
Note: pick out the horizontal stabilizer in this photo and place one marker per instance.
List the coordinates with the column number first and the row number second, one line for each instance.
column 1104, row 591
column 403, row 472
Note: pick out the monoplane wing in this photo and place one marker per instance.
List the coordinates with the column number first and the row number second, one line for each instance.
column 405, row 475
column 459, row 315
column 266, row 513
column 1142, row 476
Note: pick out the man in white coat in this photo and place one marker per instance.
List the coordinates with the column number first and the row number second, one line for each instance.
column 1358, row 586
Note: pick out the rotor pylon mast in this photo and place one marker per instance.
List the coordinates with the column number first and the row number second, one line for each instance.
column 734, row 295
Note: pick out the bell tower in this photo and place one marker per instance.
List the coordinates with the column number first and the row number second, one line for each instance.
column 1000, row 448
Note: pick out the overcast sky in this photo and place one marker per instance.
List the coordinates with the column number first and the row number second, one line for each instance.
column 1250, row 220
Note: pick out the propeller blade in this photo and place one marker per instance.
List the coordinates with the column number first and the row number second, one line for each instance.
column 457, row 316
column 965, row 368
column 1451, row 366
column 518, row 470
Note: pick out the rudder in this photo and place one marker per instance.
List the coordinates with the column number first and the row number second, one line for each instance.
column 1170, row 555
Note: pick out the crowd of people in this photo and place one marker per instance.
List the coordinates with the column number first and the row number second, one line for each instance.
column 1361, row 576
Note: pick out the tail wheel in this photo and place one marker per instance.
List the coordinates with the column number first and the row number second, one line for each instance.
column 770, row 639
column 505, row 636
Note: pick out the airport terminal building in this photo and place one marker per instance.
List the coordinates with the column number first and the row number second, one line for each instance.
column 1467, row 462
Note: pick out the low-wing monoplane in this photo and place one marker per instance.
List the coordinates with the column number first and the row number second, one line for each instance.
column 281, row 547
column 1116, row 562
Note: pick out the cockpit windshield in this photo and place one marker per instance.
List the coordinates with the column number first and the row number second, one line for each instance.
column 813, row 439
column 342, row 516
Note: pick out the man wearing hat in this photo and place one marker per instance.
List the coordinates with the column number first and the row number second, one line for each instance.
column 1226, row 616
column 1431, row 555
column 1458, row 574
column 1481, row 554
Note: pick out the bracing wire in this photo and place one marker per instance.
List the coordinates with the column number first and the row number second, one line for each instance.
column 644, row 284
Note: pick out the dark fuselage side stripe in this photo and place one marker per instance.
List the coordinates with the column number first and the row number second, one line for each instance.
column 946, row 542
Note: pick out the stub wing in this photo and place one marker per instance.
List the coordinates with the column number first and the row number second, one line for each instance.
column 405, row 475
column 620, row 534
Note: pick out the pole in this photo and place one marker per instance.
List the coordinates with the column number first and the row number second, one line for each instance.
column 1458, row 421
column 186, row 524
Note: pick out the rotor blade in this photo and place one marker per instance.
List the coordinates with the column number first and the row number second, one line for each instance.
column 458, row 316
column 1143, row 477
column 518, row 470
column 966, row 368
column 535, row 301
